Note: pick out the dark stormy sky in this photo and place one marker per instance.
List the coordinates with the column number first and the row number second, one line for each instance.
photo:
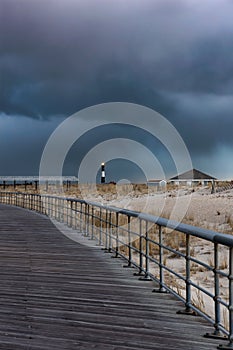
column 60, row 56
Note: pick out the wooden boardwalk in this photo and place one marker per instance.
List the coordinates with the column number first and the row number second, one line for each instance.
column 59, row 294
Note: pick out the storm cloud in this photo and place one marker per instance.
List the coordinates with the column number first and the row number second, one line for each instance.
column 175, row 56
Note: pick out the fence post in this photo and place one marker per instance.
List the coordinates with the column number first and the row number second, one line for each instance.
column 106, row 231
column 92, row 222
column 117, row 236
column 161, row 270
column 230, row 308
column 216, row 333
column 140, row 272
column 129, row 243
column 146, row 277
column 100, row 230
column 86, row 220
column 72, row 212
column 75, row 216
column 108, row 243
column 110, row 233
column 81, row 218
column 188, row 310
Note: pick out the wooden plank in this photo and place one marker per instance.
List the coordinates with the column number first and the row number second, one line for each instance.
column 59, row 294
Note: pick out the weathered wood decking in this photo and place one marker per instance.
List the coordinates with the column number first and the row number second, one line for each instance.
column 59, row 294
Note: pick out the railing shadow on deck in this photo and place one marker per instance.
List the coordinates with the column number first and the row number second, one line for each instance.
column 170, row 253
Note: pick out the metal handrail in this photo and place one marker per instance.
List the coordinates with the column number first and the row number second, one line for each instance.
column 142, row 240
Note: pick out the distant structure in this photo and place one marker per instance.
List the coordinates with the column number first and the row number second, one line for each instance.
column 157, row 183
column 192, row 177
column 6, row 181
column 188, row 178
column 102, row 173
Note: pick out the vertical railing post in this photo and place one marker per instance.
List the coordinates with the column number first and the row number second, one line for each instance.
column 230, row 308
column 40, row 204
column 161, row 262
column 216, row 333
column 100, row 230
column 188, row 310
column 81, row 217
column 106, row 230
column 66, row 204
column 38, row 199
column 76, row 215
column 62, row 215
column 56, row 208
column 188, row 286
column 86, row 218
column 108, row 243
column 60, row 209
column 129, row 242
column 72, row 212
column 34, row 201
column 68, row 212
column 231, row 298
column 48, row 208
column 147, row 269
column 110, row 232
column 52, row 206
column 140, row 272
column 117, row 236
column 92, row 222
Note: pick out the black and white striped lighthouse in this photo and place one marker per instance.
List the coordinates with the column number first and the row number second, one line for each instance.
column 102, row 173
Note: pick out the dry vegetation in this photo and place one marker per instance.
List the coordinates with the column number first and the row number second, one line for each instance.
column 195, row 206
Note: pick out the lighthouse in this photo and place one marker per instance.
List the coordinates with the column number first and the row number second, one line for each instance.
column 102, row 173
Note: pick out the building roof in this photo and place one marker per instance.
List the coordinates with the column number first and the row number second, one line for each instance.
column 153, row 180
column 193, row 174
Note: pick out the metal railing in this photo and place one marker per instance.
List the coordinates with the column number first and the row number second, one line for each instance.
column 194, row 264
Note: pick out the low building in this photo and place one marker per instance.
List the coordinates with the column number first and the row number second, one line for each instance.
column 192, row 177
column 158, row 183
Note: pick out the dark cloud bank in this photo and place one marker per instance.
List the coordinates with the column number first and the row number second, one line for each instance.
column 58, row 57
